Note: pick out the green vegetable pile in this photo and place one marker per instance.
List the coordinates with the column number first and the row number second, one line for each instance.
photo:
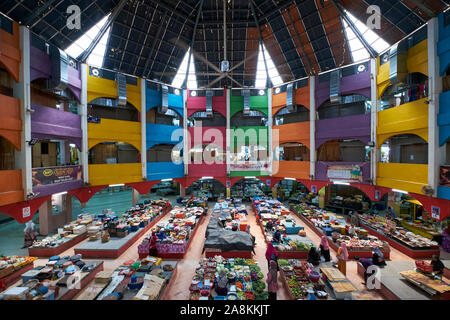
column 283, row 262
column 260, row 275
column 302, row 246
column 259, row 286
column 254, row 267
column 262, row 296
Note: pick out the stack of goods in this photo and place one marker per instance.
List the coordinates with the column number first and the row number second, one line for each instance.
column 293, row 238
column 143, row 279
column 302, row 279
column 388, row 228
column 196, row 202
column 11, row 264
column 355, row 244
column 52, row 281
column 354, row 202
column 174, row 234
column 69, row 232
column 243, row 280
column 338, row 283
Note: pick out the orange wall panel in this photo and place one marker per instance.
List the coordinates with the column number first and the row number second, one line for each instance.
column 10, row 187
column 292, row 132
column 10, row 51
column 291, row 169
column 11, row 124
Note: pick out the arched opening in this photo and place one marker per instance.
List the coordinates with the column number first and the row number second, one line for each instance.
column 349, row 105
column 54, row 153
column 165, row 152
column 252, row 118
column 204, row 119
column 348, row 150
column 247, row 188
column 169, row 117
column 108, row 108
column 7, row 155
column 113, row 152
column 291, row 151
column 287, row 115
column 342, row 199
column 209, row 153
column 164, row 188
column 292, row 190
column 210, row 188
column 6, row 81
column 415, row 87
column 42, row 93
column 405, row 148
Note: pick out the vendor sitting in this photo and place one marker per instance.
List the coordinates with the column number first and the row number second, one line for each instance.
column 161, row 235
column 378, row 257
column 351, row 231
column 277, row 236
column 438, row 266
column 269, row 225
column 221, row 285
column 313, row 256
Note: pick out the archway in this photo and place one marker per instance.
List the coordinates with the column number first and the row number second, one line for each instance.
column 343, row 150
column 108, row 108
column 249, row 187
column 113, row 152
column 291, row 151
column 343, row 198
column 216, row 119
column 209, row 153
column 287, row 115
column 207, row 187
column 165, row 152
column 169, row 117
column 253, row 118
column 292, row 190
column 349, row 105
column 404, row 148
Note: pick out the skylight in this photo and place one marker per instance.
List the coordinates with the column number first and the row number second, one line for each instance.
column 96, row 57
column 261, row 75
column 181, row 73
column 359, row 52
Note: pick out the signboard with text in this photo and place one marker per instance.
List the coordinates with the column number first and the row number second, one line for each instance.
column 345, row 173
column 55, row 175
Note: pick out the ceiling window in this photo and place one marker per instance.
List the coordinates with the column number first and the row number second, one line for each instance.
column 81, row 44
column 261, row 75
column 181, row 73
column 359, row 52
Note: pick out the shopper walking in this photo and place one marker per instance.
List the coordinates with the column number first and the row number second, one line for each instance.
column 324, row 248
column 342, row 257
column 271, row 254
column 272, row 280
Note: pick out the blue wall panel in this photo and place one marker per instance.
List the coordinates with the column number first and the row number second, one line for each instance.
column 164, row 170
column 161, row 133
column 444, row 117
column 443, row 46
column 443, row 192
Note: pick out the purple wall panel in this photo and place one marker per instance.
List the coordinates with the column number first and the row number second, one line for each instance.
column 47, row 122
column 350, row 127
column 59, row 187
column 355, row 84
column 321, row 169
column 40, row 64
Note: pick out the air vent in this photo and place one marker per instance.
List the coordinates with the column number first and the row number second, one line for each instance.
column 246, row 93
column 290, row 97
column 60, row 62
column 397, row 64
column 121, row 81
column 209, row 110
column 335, row 86
column 164, row 100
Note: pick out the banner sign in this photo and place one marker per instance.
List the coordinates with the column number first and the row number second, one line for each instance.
column 345, row 173
column 249, row 166
column 55, row 175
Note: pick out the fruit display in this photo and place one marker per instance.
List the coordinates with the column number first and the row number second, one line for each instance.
column 10, row 264
column 244, row 279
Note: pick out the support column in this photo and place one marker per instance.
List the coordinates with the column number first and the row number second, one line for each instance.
column 228, row 133
column 274, row 192
column 45, row 214
column 82, row 110
column 135, row 196
column 143, row 129
column 182, row 191
column 69, row 212
column 228, row 192
column 186, row 138
column 270, row 144
column 373, row 120
column 23, row 160
column 434, row 87
column 312, row 127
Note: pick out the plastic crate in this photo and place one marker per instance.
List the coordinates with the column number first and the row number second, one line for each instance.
column 424, row 267
column 220, row 298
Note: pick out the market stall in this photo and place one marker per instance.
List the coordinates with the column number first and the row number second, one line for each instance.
column 174, row 236
column 12, row 267
column 228, row 231
column 407, row 242
column 336, row 229
column 244, row 280
column 341, row 287
column 111, row 236
column 293, row 244
column 438, row 289
column 65, row 238
column 62, row 278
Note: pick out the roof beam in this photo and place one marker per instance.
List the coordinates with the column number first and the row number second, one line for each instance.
column 265, row 18
column 129, row 33
column 84, row 55
column 422, row 6
column 146, row 36
column 150, row 54
column 30, row 18
column 358, row 34
column 173, row 11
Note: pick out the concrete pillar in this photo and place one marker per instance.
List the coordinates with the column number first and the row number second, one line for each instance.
column 135, row 197
column 274, row 192
column 270, row 125
column 143, row 129
column 45, row 214
column 312, row 125
column 228, row 133
column 186, row 137
column 68, row 212
column 373, row 120
column 82, row 111
column 228, row 192
column 182, row 191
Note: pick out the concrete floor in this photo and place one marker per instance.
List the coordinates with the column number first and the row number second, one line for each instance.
column 178, row 288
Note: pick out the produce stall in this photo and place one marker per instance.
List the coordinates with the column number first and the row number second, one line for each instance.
column 294, row 243
column 12, row 267
column 109, row 238
column 409, row 243
column 245, row 279
column 62, row 278
column 336, row 228
column 67, row 237
column 228, row 232
column 302, row 280
column 174, row 235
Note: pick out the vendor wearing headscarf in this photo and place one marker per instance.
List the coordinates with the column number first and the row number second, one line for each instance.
column 29, row 234
column 378, row 257
column 324, row 248
column 271, row 253
column 269, row 225
column 313, row 256
column 272, row 280
column 342, row 257
column 438, row 266
column 277, row 236
column 153, row 251
column 366, row 263
column 222, row 282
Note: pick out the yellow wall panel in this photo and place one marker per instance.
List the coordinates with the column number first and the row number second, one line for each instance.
column 115, row 130
column 403, row 176
column 410, row 118
column 101, row 174
column 417, row 59
column 382, row 78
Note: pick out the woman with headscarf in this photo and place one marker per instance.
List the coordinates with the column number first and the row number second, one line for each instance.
column 271, row 254
column 378, row 257
column 29, row 234
column 272, row 280
column 342, row 257
column 313, row 256
column 222, row 282
column 153, row 251
column 324, row 248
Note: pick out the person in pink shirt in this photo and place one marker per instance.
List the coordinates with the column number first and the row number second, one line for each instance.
column 272, row 280
column 325, row 248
